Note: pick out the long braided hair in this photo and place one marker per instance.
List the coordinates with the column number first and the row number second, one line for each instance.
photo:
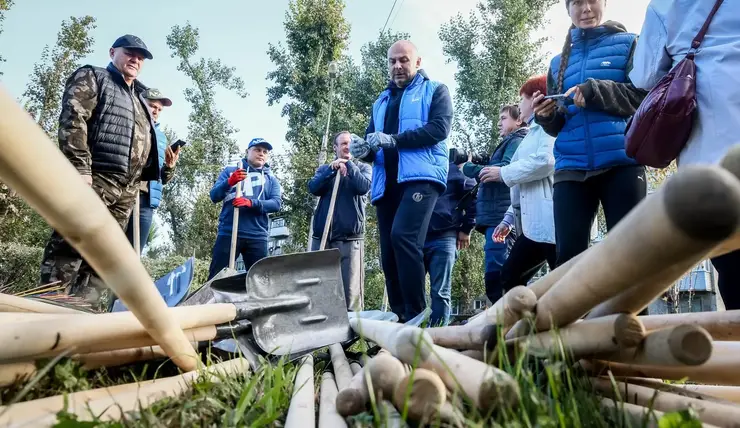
column 564, row 57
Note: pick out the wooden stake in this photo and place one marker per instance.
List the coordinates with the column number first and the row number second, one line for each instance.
column 721, row 325
column 683, row 345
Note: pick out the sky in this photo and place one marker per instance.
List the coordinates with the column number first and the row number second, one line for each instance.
column 238, row 32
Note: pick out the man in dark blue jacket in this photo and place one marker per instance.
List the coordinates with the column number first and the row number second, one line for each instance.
column 261, row 194
column 347, row 232
column 406, row 141
column 449, row 231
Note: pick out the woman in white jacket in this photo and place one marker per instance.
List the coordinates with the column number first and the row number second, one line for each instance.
column 530, row 177
column 669, row 28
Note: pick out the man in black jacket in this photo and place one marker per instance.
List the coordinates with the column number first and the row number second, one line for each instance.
column 106, row 132
column 348, row 223
column 452, row 221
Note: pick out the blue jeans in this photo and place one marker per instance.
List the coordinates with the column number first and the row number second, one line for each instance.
column 251, row 251
column 440, row 255
column 146, row 215
column 495, row 257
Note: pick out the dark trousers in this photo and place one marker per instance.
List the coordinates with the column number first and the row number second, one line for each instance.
column 525, row 259
column 403, row 219
column 251, row 251
column 728, row 270
column 576, row 204
column 146, row 215
column 495, row 255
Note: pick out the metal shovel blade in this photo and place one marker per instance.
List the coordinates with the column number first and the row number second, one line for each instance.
column 316, row 275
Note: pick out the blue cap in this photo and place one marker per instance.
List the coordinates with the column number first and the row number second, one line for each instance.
column 259, row 142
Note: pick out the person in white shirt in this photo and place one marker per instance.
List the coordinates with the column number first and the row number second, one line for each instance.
column 667, row 33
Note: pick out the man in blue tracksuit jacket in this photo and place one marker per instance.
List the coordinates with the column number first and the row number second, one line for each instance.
column 452, row 221
column 261, row 195
column 150, row 192
column 406, row 141
column 347, row 232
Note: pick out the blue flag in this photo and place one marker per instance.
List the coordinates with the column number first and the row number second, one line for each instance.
column 173, row 287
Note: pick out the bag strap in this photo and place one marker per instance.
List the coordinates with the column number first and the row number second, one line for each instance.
column 700, row 36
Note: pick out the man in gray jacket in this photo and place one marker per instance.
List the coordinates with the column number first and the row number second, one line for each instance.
column 348, row 224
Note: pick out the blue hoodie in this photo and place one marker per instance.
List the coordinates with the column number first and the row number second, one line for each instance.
column 261, row 187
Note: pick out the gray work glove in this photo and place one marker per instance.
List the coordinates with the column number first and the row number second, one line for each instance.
column 381, row 140
column 360, row 148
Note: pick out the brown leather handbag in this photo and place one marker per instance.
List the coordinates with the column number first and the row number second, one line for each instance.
column 662, row 124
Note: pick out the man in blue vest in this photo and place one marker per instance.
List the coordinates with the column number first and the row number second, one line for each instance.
column 406, row 141
column 150, row 192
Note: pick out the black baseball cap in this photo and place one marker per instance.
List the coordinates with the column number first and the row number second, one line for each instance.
column 130, row 41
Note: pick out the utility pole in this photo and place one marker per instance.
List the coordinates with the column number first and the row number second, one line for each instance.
column 333, row 71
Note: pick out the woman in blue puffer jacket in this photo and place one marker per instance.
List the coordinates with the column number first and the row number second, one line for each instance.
column 591, row 165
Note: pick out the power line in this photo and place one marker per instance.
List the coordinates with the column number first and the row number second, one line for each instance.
column 389, row 16
column 400, row 5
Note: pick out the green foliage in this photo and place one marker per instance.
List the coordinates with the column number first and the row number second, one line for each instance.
column 495, row 54
column 316, row 34
column 19, row 223
column 19, row 267
column 5, row 5
column 43, row 93
column 186, row 206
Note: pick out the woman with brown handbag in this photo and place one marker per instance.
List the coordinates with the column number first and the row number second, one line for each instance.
column 667, row 36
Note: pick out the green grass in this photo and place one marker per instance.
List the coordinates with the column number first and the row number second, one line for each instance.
column 553, row 394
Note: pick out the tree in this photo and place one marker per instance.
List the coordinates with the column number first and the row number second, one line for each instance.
column 316, row 34
column 495, row 54
column 19, row 223
column 5, row 6
column 43, row 93
column 186, row 205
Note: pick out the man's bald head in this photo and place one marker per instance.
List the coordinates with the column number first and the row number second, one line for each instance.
column 403, row 62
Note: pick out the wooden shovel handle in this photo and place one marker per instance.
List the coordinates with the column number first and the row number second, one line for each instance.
column 235, row 223
column 37, row 339
column 112, row 408
column 342, row 371
column 683, row 345
column 34, row 167
column 15, row 372
column 584, row 338
column 10, row 303
column 720, row 369
column 328, row 416
column 714, row 413
column 422, row 392
column 721, row 325
column 352, row 399
column 330, row 213
column 662, row 229
column 462, row 336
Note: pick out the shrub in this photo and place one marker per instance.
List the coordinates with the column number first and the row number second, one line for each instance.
column 19, row 267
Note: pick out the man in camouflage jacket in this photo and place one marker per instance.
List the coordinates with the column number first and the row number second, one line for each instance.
column 106, row 132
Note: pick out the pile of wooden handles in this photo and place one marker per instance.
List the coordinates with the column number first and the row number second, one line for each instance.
column 586, row 309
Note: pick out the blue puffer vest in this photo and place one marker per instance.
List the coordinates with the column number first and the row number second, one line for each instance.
column 155, row 186
column 593, row 139
column 423, row 164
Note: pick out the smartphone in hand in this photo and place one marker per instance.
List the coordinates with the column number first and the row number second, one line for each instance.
column 560, row 99
column 177, row 144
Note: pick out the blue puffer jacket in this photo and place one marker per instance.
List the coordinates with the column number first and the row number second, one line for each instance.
column 155, row 186
column 420, row 164
column 593, row 139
